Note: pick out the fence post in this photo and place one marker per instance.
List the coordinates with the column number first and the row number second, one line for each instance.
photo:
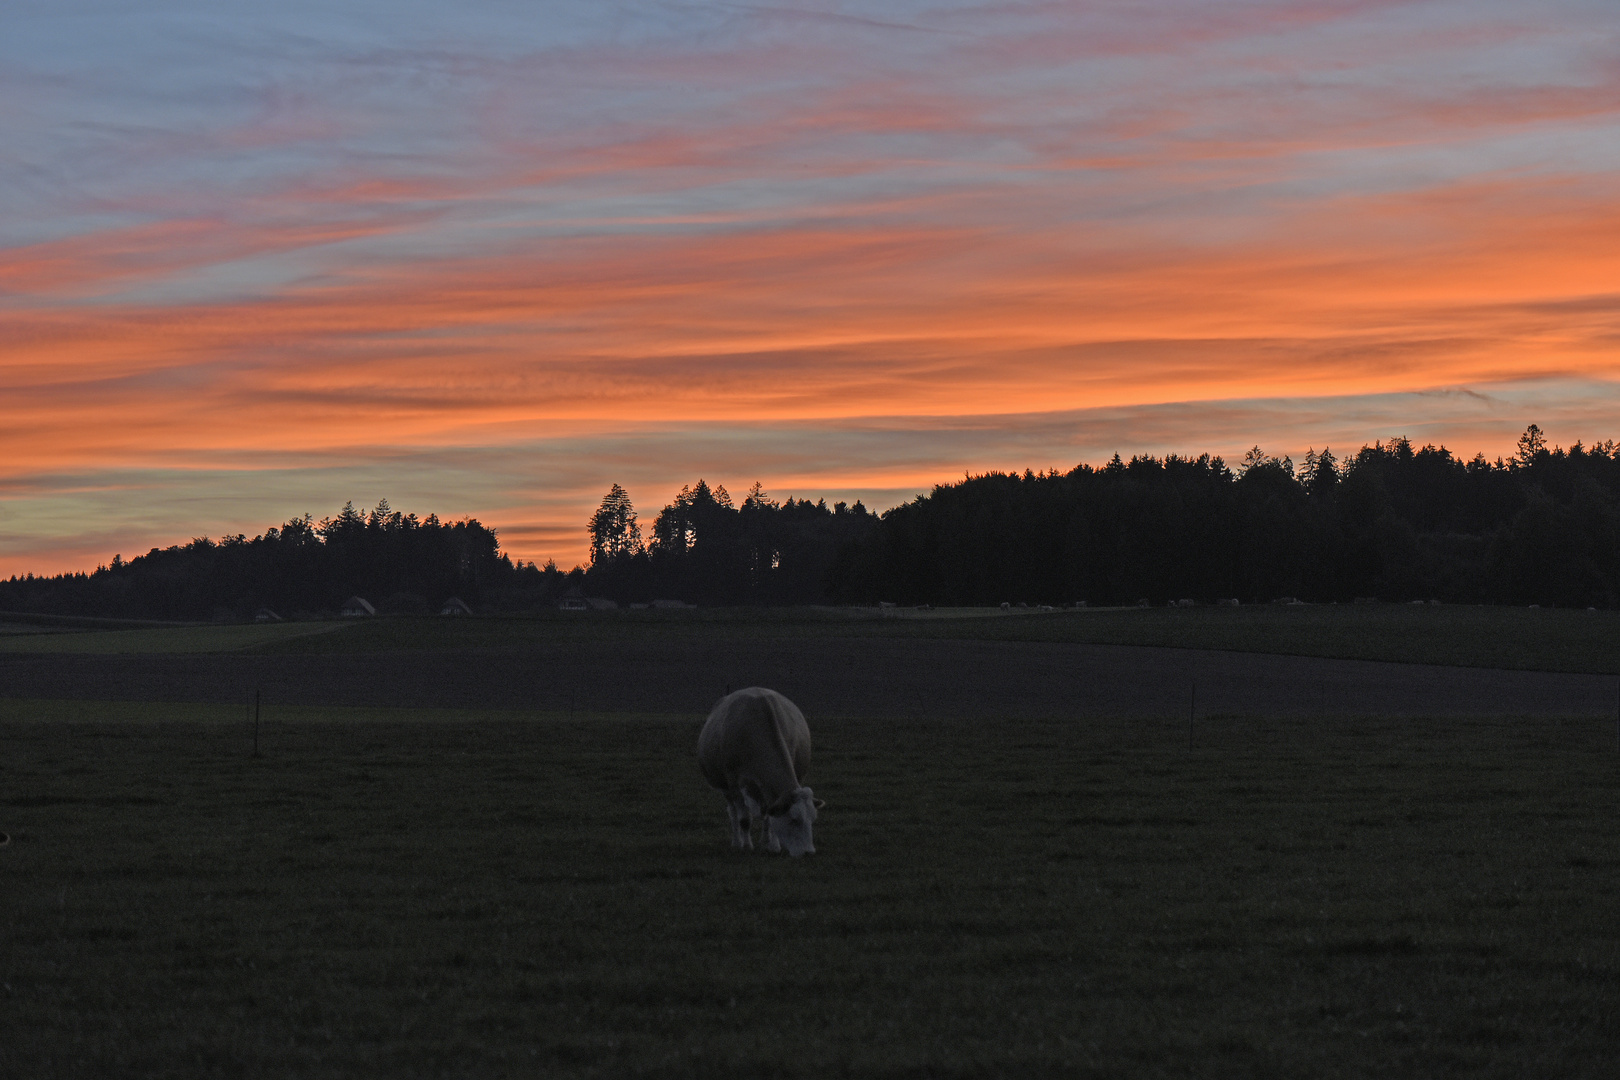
column 255, row 723
column 1192, row 711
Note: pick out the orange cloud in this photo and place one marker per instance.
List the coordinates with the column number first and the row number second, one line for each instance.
column 1012, row 211
column 1360, row 294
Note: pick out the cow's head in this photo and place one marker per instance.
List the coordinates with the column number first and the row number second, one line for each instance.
column 788, row 823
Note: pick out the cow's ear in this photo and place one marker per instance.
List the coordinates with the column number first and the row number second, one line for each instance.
column 819, row 803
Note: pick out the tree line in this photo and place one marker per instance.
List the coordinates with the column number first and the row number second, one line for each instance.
column 703, row 548
column 1394, row 521
column 303, row 568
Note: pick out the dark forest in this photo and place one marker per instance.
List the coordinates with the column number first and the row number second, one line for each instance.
column 1393, row 522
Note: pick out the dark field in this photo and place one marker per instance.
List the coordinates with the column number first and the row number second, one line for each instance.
column 1023, row 867
column 841, row 663
column 1537, row 639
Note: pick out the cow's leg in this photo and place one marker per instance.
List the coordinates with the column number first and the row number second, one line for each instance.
column 741, row 831
column 754, row 814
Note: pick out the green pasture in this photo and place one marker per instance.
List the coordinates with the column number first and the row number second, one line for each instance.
column 1538, row 639
column 1543, row 639
column 404, row 893
column 165, row 639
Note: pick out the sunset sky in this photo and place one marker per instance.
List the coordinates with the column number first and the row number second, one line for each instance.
column 487, row 258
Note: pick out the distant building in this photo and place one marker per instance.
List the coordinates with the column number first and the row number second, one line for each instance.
column 455, row 606
column 356, row 607
column 264, row 614
column 573, row 600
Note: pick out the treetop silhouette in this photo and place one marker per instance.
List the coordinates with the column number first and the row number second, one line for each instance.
column 1394, row 520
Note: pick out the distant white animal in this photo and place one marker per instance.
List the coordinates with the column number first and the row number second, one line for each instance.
column 755, row 747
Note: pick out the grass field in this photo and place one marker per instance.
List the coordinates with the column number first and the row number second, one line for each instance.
column 413, row 893
column 1543, row 639
column 175, row 639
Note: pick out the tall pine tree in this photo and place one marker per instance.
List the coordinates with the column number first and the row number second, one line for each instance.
column 613, row 528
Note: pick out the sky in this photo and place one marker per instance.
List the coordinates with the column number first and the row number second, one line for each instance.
column 487, row 259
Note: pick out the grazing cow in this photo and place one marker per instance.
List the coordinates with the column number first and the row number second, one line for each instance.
column 755, row 747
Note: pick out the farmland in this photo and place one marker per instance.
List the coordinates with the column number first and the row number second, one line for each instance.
column 1542, row 639
column 1010, row 878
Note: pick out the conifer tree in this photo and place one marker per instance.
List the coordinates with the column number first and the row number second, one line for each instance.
column 613, row 528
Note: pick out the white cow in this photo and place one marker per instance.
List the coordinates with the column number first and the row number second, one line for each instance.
column 755, row 747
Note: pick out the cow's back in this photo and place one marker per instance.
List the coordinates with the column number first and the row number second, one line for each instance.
column 755, row 737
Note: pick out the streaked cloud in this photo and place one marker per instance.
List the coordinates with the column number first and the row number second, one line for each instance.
column 488, row 260
column 538, row 490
